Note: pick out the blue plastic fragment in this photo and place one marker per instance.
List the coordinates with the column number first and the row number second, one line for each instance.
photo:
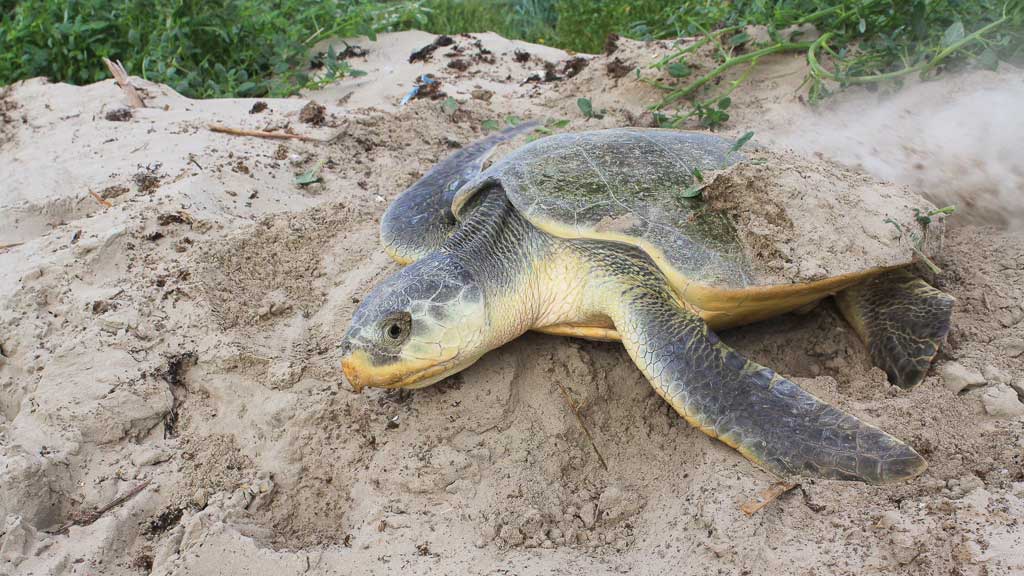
column 424, row 80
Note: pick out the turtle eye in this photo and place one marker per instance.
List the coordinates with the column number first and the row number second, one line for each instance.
column 394, row 331
column 396, row 328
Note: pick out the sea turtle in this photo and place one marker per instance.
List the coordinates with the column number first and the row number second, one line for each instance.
column 601, row 235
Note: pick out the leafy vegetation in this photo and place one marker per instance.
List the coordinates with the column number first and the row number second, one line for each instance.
column 917, row 240
column 261, row 47
column 864, row 42
column 587, row 109
column 201, row 49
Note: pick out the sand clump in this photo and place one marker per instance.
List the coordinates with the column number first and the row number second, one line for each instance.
column 804, row 219
column 186, row 335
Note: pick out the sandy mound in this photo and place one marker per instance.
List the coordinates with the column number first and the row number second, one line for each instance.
column 802, row 219
column 171, row 344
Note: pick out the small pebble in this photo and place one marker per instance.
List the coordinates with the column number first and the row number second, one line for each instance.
column 149, row 456
column 956, row 377
column 888, row 519
column 512, row 536
column 1013, row 347
column 1001, row 401
column 995, row 375
column 588, row 513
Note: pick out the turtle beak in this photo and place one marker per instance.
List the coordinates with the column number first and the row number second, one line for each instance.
column 348, row 366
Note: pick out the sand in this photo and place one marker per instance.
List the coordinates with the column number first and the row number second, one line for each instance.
column 175, row 345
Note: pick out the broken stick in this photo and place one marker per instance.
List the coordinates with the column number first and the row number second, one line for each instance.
column 90, row 518
column 579, row 419
column 263, row 134
column 100, row 199
column 121, row 77
column 766, row 497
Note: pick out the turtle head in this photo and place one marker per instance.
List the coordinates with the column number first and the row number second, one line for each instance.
column 419, row 326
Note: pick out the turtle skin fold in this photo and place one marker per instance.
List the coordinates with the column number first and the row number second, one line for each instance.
column 420, row 220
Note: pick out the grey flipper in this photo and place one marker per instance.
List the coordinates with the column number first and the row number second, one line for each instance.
column 766, row 417
column 902, row 320
column 420, row 219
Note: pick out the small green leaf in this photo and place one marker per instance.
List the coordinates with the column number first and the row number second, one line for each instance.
column 246, row 88
column 556, row 124
column 862, row 26
column 490, row 125
column 586, row 106
column 512, row 120
column 988, row 60
column 697, row 174
column 679, row 70
column 724, row 103
column 691, row 192
column 356, row 73
column 449, row 106
column 917, row 22
column 738, row 39
column 543, row 130
column 310, row 176
column 953, row 34
column 743, row 140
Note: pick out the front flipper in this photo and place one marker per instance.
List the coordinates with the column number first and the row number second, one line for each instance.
column 769, row 419
column 902, row 320
column 420, row 219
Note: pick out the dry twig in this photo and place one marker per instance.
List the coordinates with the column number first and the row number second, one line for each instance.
column 100, row 199
column 766, row 497
column 121, row 77
column 264, row 134
column 579, row 419
column 90, row 518
column 11, row 245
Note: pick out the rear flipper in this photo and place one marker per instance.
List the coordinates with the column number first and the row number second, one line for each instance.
column 902, row 320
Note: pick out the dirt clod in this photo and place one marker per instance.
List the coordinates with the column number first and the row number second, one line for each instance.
column 119, row 115
column 617, row 68
column 424, row 53
column 574, row 66
column 312, row 113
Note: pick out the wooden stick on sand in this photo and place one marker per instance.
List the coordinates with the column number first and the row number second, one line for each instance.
column 121, row 77
column 100, row 199
column 90, row 518
column 579, row 419
column 766, row 497
column 264, row 134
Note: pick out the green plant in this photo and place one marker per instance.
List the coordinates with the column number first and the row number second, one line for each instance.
column 201, row 49
column 694, row 190
column 741, row 142
column 335, row 68
column 449, row 106
column 261, row 47
column 865, row 41
column 917, row 240
column 310, row 176
column 587, row 108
